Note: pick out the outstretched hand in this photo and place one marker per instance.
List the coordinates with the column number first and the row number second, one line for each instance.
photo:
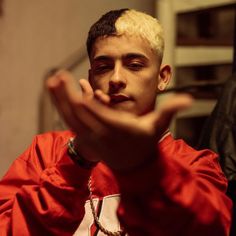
column 121, row 139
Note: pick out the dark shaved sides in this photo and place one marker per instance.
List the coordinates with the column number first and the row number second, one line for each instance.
column 104, row 26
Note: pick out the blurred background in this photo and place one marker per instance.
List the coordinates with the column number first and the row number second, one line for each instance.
column 36, row 36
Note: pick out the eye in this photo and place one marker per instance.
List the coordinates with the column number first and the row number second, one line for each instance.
column 101, row 68
column 135, row 66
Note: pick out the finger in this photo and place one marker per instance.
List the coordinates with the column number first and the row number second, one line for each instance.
column 177, row 103
column 163, row 117
column 65, row 96
column 108, row 116
column 90, row 122
column 63, row 79
column 69, row 103
column 62, row 89
column 87, row 91
column 102, row 97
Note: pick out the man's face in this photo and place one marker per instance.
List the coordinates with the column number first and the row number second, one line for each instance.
column 127, row 69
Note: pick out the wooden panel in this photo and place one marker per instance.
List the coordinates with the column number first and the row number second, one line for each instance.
column 190, row 56
column 194, row 5
column 201, row 107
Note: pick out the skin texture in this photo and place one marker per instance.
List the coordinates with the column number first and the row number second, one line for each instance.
column 126, row 65
column 117, row 111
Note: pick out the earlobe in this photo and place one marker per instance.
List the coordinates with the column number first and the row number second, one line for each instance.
column 164, row 77
column 161, row 86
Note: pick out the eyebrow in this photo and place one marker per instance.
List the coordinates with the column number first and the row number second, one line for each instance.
column 101, row 58
column 126, row 56
column 135, row 55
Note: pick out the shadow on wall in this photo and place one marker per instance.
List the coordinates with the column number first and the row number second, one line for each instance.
column 49, row 118
column 1, row 8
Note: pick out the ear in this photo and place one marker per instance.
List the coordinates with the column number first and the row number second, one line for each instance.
column 164, row 77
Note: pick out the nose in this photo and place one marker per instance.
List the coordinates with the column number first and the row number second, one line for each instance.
column 117, row 79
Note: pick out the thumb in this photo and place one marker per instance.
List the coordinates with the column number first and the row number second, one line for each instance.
column 162, row 118
column 87, row 91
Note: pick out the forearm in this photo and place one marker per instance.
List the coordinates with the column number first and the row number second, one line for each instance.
column 48, row 209
column 42, row 194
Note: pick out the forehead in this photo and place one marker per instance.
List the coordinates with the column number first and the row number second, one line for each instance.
column 118, row 46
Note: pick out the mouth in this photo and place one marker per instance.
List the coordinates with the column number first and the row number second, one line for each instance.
column 119, row 98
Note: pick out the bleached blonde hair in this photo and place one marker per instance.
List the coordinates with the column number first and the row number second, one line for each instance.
column 136, row 23
column 129, row 22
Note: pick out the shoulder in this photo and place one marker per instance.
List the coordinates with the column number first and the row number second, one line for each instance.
column 201, row 162
column 48, row 148
column 54, row 136
column 180, row 150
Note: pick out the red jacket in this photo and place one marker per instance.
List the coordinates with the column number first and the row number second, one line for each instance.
column 182, row 193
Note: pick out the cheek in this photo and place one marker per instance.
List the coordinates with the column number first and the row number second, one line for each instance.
column 99, row 84
column 148, row 96
column 147, row 91
column 149, row 85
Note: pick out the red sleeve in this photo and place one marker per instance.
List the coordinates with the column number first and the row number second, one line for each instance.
column 43, row 189
column 181, row 193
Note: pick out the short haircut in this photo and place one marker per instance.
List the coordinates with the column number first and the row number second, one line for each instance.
column 128, row 22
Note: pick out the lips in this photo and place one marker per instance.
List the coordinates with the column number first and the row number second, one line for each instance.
column 118, row 98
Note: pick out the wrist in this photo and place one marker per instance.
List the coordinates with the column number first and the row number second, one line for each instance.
column 77, row 157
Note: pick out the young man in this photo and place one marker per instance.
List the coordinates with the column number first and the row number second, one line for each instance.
column 119, row 159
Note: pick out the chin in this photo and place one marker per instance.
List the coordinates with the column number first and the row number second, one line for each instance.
column 124, row 106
